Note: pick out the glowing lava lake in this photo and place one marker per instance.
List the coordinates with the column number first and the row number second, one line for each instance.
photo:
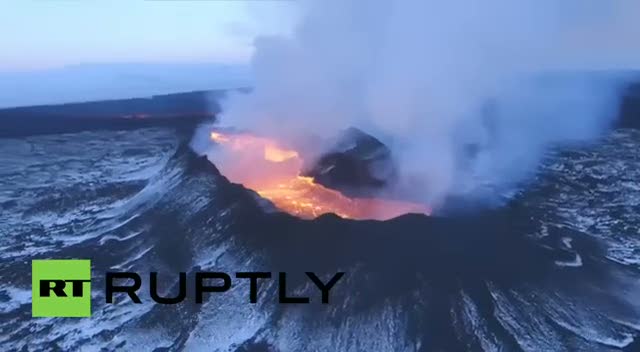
column 274, row 172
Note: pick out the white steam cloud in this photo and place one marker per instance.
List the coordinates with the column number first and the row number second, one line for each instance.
column 465, row 92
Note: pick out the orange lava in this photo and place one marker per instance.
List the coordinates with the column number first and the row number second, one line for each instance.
column 273, row 171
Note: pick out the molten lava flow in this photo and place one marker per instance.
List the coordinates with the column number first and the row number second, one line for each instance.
column 273, row 171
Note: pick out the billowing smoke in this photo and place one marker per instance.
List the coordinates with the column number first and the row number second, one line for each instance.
column 467, row 93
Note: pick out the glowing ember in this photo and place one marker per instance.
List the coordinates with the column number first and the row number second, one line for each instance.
column 273, row 171
column 277, row 155
column 218, row 137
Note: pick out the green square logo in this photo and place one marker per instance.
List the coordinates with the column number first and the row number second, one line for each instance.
column 61, row 288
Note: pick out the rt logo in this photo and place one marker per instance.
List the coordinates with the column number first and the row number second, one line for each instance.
column 61, row 288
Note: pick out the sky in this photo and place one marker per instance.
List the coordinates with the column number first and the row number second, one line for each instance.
column 47, row 34
column 55, row 51
column 60, row 51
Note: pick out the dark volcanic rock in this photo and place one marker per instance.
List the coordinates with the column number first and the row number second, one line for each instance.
column 358, row 164
column 180, row 110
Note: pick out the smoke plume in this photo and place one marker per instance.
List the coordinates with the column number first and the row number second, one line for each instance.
column 467, row 93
